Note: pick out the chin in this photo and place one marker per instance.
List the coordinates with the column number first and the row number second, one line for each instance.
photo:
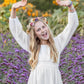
column 45, row 38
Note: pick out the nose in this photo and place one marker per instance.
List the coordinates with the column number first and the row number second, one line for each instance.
column 42, row 30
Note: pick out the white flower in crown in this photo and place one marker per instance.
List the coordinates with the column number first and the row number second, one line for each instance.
column 31, row 20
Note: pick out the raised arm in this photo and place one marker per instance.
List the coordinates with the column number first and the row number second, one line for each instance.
column 16, row 29
column 64, row 37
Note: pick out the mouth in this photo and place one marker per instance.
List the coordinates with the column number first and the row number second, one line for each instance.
column 45, row 34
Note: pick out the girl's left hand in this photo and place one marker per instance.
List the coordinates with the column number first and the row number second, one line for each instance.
column 63, row 3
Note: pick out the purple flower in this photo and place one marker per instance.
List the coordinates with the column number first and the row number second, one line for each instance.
column 69, row 67
column 5, row 60
column 23, row 75
column 16, row 50
column 5, row 72
column 36, row 19
column 10, row 70
column 11, row 53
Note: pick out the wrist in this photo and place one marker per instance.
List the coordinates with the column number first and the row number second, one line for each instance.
column 13, row 8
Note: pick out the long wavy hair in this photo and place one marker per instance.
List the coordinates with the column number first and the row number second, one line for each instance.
column 35, row 45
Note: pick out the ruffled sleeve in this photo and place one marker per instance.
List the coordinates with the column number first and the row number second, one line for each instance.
column 18, row 33
column 62, row 39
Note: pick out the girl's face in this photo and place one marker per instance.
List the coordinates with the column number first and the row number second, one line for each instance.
column 41, row 31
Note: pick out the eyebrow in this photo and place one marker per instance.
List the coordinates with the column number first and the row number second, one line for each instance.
column 42, row 26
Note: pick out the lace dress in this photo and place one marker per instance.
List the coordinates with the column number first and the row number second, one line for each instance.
column 46, row 72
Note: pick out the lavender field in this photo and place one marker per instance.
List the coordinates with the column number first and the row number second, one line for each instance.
column 15, row 69
column 14, row 66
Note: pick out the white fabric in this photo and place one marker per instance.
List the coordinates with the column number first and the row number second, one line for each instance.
column 45, row 72
column 18, row 33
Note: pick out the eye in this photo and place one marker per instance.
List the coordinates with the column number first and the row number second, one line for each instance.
column 43, row 26
column 38, row 29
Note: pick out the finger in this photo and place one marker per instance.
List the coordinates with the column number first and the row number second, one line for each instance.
column 24, row 0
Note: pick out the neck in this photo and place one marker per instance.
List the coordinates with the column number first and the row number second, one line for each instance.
column 44, row 42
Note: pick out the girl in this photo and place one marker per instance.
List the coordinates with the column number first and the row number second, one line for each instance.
column 44, row 49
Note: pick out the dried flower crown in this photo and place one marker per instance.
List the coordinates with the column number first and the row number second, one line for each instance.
column 33, row 20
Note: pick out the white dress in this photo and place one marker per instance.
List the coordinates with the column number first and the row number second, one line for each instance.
column 45, row 72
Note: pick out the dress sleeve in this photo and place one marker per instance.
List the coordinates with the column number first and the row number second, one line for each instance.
column 64, row 37
column 18, row 33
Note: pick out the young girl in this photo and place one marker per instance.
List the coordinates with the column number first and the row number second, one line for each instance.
column 44, row 49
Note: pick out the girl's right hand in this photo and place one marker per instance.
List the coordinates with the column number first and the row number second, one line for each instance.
column 19, row 4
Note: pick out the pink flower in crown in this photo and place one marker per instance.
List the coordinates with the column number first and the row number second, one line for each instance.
column 32, row 24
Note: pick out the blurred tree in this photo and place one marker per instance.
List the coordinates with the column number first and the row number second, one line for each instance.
column 44, row 5
column 1, row 1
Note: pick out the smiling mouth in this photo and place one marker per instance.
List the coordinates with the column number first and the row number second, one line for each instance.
column 44, row 35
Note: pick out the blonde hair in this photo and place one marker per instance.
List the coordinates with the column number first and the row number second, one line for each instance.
column 35, row 45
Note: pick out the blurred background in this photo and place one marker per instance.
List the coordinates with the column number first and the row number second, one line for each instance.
column 14, row 68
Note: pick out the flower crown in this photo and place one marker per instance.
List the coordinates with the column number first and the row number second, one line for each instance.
column 37, row 19
column 33, row 20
